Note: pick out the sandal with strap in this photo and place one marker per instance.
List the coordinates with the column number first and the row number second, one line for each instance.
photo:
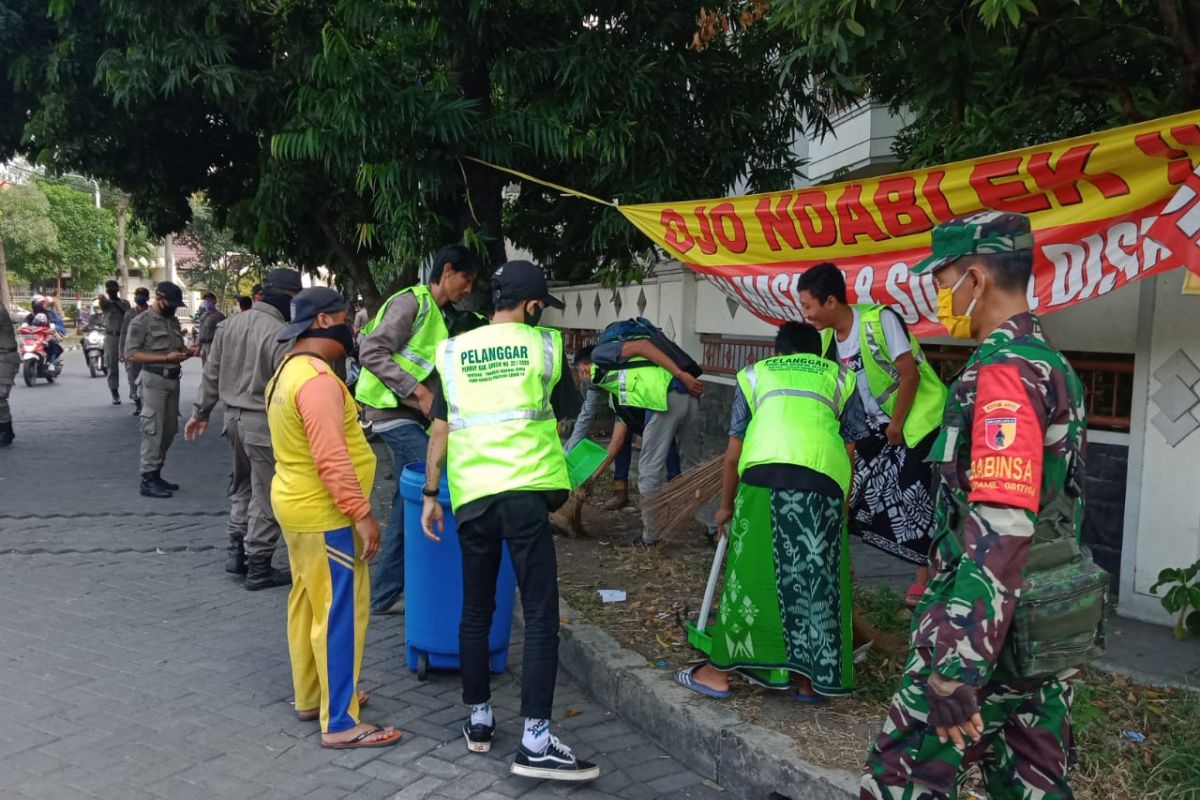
column 913, row 594
column 391, row 736
column 686, row 677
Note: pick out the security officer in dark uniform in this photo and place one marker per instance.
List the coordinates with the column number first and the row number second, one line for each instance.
column 9, row 363
column 114, row 308
column 155, row 341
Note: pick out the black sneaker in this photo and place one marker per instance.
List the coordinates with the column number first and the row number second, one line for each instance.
column 478, row 736
column 555, row 763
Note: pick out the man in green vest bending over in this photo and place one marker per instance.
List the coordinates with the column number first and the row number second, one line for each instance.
column 890, row 503
column 396, row 352
column 501, row 392
column 641, row 376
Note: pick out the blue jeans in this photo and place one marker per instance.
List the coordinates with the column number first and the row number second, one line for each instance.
column 408, row 443
column 625, row 458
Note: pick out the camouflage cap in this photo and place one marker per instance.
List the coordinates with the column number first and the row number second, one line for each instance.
column 972, row 234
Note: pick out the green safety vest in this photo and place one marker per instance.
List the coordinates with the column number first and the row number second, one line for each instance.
column 795, row 405
column 497, row 381
column 883, row 379
column 415, row 357
column 640, row 385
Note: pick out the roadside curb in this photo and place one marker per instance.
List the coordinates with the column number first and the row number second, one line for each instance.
column 749, row 761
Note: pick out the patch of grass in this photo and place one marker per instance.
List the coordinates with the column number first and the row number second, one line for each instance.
column 1165, row 767
column 884, row 609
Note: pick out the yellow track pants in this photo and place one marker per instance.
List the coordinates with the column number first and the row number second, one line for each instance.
column 328, row 610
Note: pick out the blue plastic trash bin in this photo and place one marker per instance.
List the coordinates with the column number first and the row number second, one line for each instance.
column 433, row 587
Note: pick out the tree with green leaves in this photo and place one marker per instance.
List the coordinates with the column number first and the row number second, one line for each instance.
column 345, row 134
column 220, row 265
column 28, row 237
column 86, row 242
column 992, row 75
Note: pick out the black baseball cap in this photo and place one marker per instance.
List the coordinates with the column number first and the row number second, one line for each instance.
column 283, row 279
column 171, row 292
column 518, row 281
column 307, row 305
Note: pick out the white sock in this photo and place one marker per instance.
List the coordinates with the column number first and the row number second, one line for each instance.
column 481, row 714
column 537, row 734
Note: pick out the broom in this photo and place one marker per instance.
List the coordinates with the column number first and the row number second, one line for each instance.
column 673, row 509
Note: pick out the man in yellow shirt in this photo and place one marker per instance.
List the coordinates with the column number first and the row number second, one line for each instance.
column 320, row 494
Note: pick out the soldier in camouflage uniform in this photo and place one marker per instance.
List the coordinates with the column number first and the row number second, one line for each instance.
column 1012, row 443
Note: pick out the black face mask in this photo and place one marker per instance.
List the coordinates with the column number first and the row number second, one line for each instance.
column 112, row 293
column 168, row 309
column 280, row 301
column 338, row 333
column 535, row 317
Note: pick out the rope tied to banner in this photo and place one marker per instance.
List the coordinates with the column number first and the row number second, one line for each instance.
column 547, row 184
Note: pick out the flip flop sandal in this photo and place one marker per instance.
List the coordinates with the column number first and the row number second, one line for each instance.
column 310, row 714
column 686, row 677
column 808, row 699
column 359, row 742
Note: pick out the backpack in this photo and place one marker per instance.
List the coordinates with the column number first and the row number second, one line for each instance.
column 627, row 330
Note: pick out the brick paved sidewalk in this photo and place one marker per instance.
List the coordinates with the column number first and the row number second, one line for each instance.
column 133, row 668
column 149, row 673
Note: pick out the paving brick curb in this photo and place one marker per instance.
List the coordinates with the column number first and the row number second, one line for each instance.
column 751, row 762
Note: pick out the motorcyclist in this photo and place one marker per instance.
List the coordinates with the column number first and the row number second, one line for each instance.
column 44, row 305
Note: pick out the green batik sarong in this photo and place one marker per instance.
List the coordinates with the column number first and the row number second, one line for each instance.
column 785, row 606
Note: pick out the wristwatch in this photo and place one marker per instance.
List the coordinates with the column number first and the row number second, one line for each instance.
column 425, row 490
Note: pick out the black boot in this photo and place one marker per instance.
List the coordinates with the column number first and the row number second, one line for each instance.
column 137, row 406
column 116, row 397
column 261, row 575
column 6, row 434
column 152, row 488
column 158, row 478
column 235, row 562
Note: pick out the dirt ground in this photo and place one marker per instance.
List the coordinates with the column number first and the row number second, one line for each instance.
column 666, row 586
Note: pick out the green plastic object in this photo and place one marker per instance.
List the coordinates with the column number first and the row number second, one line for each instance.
column 583, row 460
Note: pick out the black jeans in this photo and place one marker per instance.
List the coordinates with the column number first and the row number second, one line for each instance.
column 523, row 521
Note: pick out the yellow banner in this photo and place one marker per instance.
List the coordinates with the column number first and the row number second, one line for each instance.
column 1096, row 204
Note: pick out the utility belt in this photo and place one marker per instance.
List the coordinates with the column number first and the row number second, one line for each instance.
column 170, row 373
column 1060, row 618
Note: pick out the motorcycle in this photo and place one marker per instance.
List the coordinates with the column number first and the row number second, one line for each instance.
column 35, row 360
column 93, row 352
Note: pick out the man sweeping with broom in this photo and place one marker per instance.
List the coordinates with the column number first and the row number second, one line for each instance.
column 785, row 607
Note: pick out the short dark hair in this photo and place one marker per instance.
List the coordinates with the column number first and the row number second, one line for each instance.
column 822, row 282
column 244, row 302
column 111, row 285
column 584, row 355
column 1011, row 271
column 208, row 296
column 795, row 338
column 459, row 257
column 509, row 305
column 142, row 290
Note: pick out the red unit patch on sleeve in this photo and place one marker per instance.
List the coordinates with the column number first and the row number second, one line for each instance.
column 1006, row 441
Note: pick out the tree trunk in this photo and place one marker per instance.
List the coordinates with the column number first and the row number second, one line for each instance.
column 1183, row 31
column 6, row 298
column 357, row 265
column 480, row 205
column 169, row 257
column 122, row 267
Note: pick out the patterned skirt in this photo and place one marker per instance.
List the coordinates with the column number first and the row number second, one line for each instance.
column 785, row 606
column 891, row 505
